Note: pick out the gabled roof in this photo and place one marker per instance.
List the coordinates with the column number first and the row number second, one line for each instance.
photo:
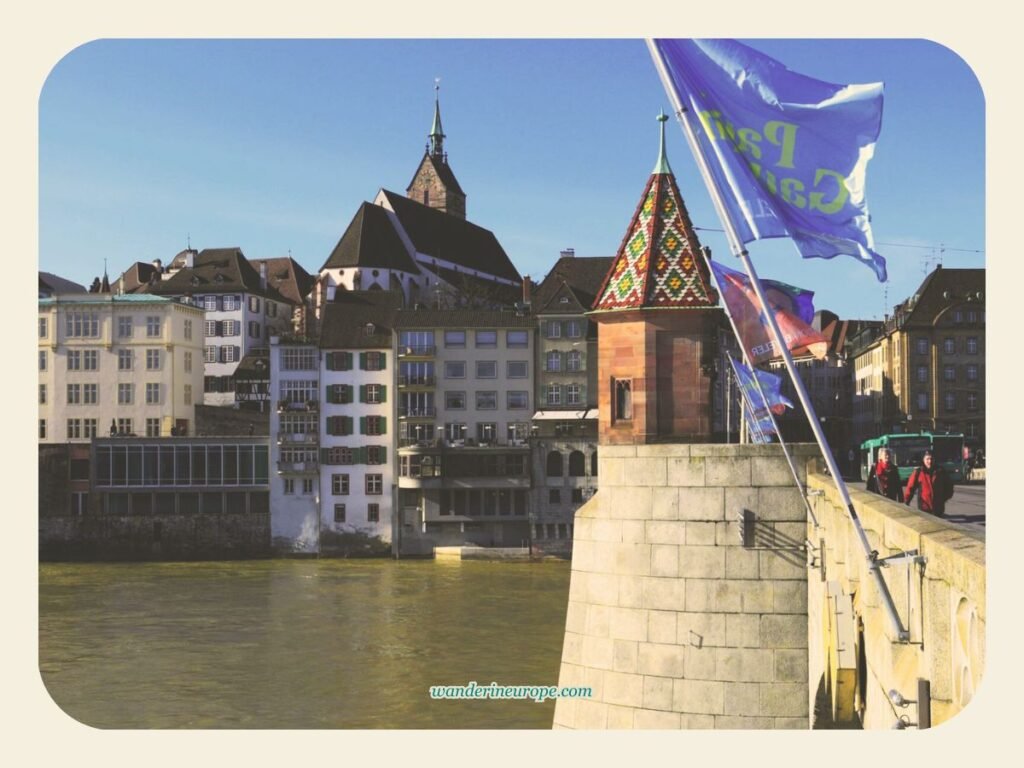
column 371, row 241
column 658, row 263
column 450, row 238
column 286, row 276
column 576, row 278
column 442, row 169
column 344, row 326
column 216, row 270
column 50, row 284
column 474, row 288
column 254, row 366
column 137, row 277
column 929, row 301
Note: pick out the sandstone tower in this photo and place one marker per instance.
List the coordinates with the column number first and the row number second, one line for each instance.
column 434, row 184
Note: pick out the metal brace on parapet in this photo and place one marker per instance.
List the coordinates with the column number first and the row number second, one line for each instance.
column 910, row 555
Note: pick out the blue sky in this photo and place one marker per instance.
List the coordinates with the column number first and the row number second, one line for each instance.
column 272, row 145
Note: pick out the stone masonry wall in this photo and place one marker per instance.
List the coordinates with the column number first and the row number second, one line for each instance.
column 672, row 622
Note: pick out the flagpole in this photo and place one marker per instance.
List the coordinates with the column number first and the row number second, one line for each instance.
column 871, row 555
column 760, row 390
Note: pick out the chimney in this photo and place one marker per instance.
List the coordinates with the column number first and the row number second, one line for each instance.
column 263, row 275
column 568, row 253
column 526, row 290
column 190, row 259
column 158, row 265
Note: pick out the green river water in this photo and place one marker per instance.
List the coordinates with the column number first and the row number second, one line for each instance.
column 299, row 643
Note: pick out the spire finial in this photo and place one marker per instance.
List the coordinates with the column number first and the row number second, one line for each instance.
column 662, row 165
column 436, row 133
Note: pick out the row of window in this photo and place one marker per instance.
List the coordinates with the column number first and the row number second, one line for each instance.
column 227, row 353
column 950, row 401
column 372, row 513
column 554, row 464
column 464, row 465
column 87, row 429
column 230, row 302
column 565, row 394
column 516, row 432
column 556, row 329
column 949, row 345
column 369, row 454
column 371, row 360
column 211, row 465
column 412, row 373
column 89, row 394
column 486, row 502
column 563, row 361
column 485, row 401
column 180, row 502
column 423, row 341
column 373, row 484
column 86, row 325
column 343, row 394
column 368, row 425
column 576, row 496
column 949, row 373
column 89, row 360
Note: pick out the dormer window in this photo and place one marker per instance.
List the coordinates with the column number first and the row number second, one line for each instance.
column 370, row 329
column 219, row 278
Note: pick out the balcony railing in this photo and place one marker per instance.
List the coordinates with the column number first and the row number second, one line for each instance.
column 297, row 405
column 421, row 412
column 298, row 466
column 417, row 350
column 415, row 381
column 298, row 438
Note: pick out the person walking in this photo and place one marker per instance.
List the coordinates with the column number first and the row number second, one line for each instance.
column 884, row 478
column 932, row 486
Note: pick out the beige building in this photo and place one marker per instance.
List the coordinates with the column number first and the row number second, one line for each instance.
column 924, row 369
column 129, row 364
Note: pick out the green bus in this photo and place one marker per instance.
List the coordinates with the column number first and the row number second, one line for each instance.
column 907, row 448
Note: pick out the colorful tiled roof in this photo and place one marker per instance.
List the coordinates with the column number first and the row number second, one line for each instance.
column 659, row 262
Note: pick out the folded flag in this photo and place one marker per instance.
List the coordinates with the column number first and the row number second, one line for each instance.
column 760, row 428
column 771, row 388
column 793, row 308
column 788, row 152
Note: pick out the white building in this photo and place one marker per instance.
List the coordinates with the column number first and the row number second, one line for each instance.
column 112, row 364
column 243, row 310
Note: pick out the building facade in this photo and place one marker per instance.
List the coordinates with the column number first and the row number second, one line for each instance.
column 121, row 365
column 924, row 368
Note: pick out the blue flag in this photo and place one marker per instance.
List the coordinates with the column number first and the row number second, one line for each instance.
column 788, row 152
column 771, row 387
column 760, row 429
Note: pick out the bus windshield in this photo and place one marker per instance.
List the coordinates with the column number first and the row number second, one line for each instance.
column 908, row 451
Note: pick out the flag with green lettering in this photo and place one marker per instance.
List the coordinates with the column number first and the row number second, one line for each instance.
column 788, row 152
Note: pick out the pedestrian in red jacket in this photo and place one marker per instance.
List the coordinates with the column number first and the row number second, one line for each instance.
column 884, row 478
column 932, row 486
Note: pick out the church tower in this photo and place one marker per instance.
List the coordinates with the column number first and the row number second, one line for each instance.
column 659, row 317
column 434, row 184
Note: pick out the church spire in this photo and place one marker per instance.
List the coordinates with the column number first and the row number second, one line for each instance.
column 436, row 148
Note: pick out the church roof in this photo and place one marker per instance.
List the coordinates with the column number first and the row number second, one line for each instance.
column 443, row 170
column 658, row 264
column 371, row 241
column 450, row 238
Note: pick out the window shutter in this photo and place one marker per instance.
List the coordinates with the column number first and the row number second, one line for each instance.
column 358, row 455
column 362, row 361
column 347, row 361
column 382, row 356
column 347, row 397
column 331, row 425
column 383, row 454
column 238, row 353
column 383, row 393
column 347, row 421
column 325, row 455
column 583, row 394
column 330, row 362
column 383, row 425
column 362, row 393
column 362, row 425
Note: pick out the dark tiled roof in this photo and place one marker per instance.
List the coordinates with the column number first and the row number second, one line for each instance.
column 476, row 290
column 287, row 277
column 371, row 241
column 928, row 301
column 390, row 300
column 450, row 238
column 580, row 276
column 343, row 326
column 50, row 283
column 137, row 277
column 255, row 365
column 461, row 318
column 216, row 270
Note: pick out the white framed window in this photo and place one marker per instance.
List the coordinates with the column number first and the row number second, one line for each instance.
column 553, row 361
column 486, row 369
column 373, row 513
column 152, row 359
column 972, row 345
column 339, row 485
column 950, row 401
column 124, row 327
column 152, row 393
column 42, row 359
column 43, row 328
column 90, row 360
column 298, row 359
column 972, row 372
column 972, row 401
column 373, row 394
column 455, row 339
column 42, row 429
column 553, row 394
column 574, row 329
column 455, row 369
column 572, row 394
column 949, row 346
column 230, row 302
column 486, row 339
column 153, row 427
column 922, row 346
column 374, row 485
column 227, row 354
column 486, row 401
column 188, row 362
column 42, row 394
column 125, row 393
column 82, row 325
column 89, row 428
column 517, row 369
column 574, row 361
column 553, row 329
column 254, row 304
column 90, row 394
column 455, row 401
column 187, row 394
column 124, row 426
column 210, row 304
column 74, row 394
column 289, row 485
column 210, row 327
column 74, row 429
column 153, row 326
column 307, row 486
column 949, row 373
column 454, row 431
column 230, row 327
column 339, row 513
column 210, row 354
column 74, row 359
column 188, row 330
column 517, row 339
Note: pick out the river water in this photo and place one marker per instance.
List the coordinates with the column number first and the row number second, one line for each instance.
column 299, row 643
